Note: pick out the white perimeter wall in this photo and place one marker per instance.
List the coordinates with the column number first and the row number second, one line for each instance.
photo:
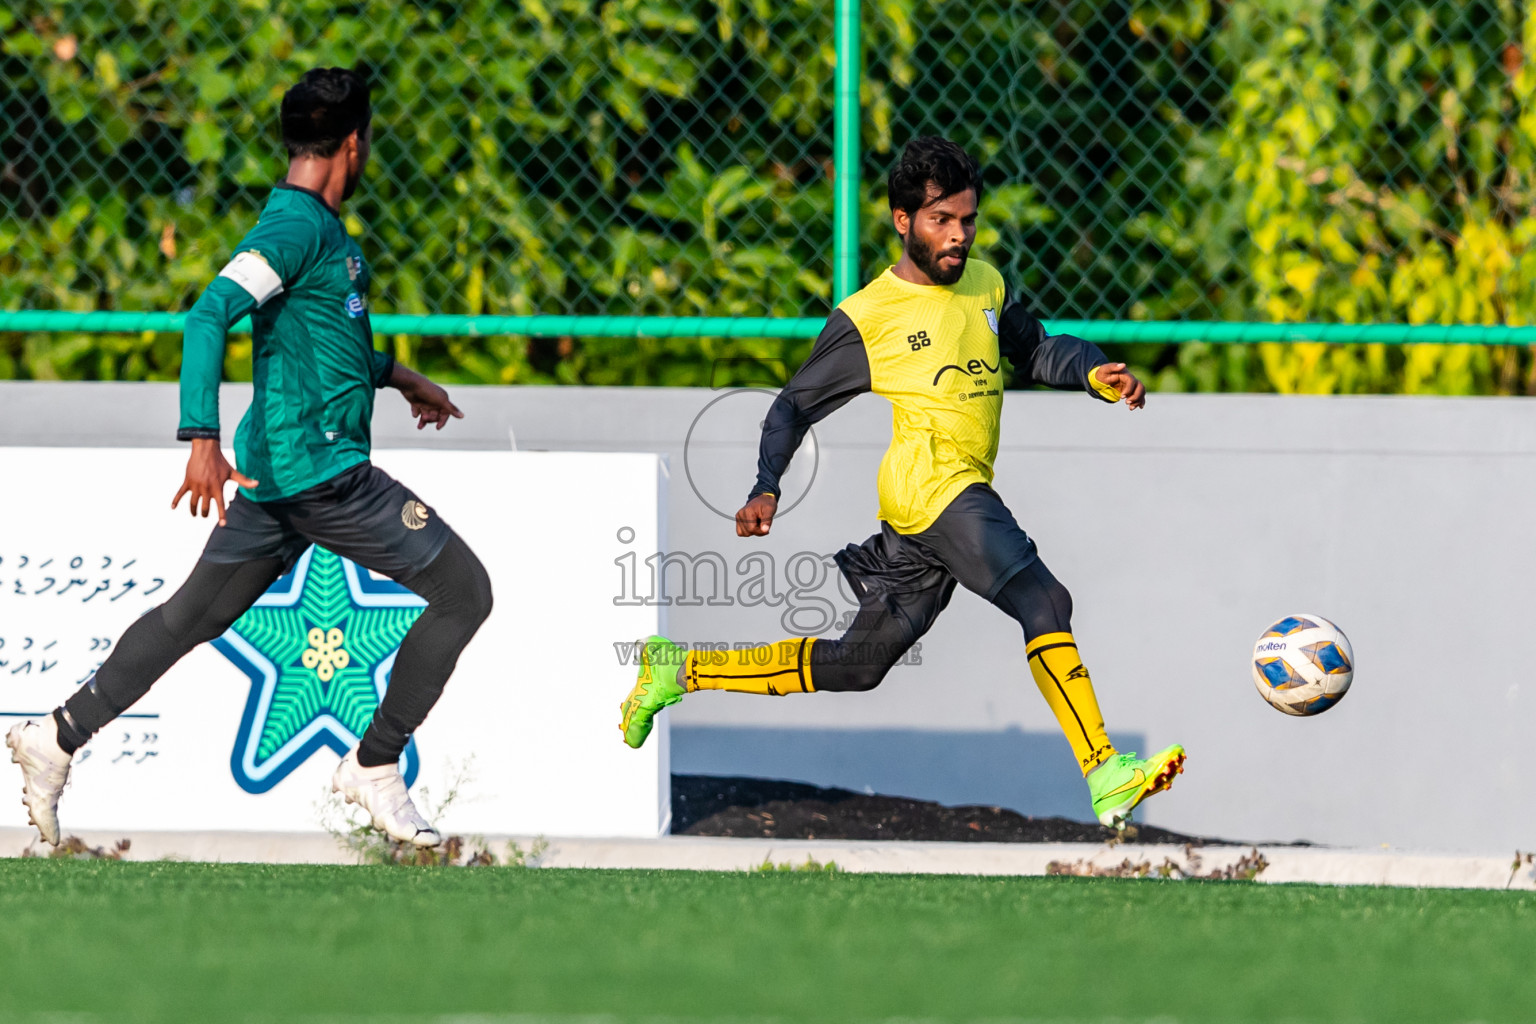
column 1181, row 531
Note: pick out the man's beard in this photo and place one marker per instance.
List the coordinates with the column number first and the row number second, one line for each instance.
column 928, row 261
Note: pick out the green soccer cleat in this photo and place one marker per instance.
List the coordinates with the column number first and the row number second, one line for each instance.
column 657, row 687
column 1125, row 780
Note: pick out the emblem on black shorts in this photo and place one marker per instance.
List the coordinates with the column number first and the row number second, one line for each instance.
column 414, row 515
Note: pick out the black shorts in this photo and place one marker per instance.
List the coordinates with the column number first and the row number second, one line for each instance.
column 975, row 542
column 363, row 514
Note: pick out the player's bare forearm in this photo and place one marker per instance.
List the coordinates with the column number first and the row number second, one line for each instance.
column 1116, row 376
column 429, row 401
column 207, row 473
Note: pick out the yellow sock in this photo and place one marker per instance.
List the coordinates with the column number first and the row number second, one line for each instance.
column 1059, row 672
column 771, row 669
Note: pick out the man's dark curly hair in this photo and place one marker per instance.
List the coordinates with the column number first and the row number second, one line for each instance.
column 322, row 109
column 930, row 159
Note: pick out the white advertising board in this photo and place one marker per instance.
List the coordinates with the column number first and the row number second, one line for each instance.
column 242, row 734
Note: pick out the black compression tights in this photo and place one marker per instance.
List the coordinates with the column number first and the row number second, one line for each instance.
column 1037, row 601
column 458, row 594
column 885, row 628
column 455, row 586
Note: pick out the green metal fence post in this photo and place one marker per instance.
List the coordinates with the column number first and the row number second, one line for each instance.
column 845, row 146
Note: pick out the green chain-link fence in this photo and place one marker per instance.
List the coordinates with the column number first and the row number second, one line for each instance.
column 1344, row 161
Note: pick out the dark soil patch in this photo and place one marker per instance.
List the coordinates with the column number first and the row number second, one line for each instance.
column 706, row 805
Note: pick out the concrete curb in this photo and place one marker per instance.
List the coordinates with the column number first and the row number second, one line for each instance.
column 1284, row 863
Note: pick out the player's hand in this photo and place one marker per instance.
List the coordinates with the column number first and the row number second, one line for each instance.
column 1124, row 381
column 207, row 473
column 756, row 517
column 429, row 402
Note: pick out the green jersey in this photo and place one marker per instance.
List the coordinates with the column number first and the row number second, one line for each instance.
column 304, row 283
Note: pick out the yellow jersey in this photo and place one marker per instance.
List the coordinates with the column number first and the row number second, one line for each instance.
column 935, row 352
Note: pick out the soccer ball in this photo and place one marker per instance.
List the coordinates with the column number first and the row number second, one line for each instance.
column 1303, row 665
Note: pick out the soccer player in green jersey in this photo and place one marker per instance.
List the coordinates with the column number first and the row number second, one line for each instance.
column 304, row 475
column 928, row 335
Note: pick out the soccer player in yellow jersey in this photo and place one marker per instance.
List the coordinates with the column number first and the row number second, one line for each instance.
column 928, row 334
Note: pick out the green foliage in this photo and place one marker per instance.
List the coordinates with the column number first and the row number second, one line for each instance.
column 1338, row 160
column 1373, row 164
column 636, row 156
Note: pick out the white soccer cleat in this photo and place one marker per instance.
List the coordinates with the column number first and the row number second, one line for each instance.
column 44, row 772
column 381, row 792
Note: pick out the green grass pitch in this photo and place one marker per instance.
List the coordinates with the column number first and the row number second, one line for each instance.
column 93, row 941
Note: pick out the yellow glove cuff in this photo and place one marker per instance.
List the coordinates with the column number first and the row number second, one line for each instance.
column 1104, row 391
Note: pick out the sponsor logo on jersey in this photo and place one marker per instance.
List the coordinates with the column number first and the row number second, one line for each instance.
column 991, row 315
column 918, row 341
column 974, row 367
column 355, row 267
column 356, row 307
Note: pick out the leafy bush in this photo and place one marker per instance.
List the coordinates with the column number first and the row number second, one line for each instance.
column 1355, row 160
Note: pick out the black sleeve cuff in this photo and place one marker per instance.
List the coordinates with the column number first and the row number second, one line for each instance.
column 197, row 434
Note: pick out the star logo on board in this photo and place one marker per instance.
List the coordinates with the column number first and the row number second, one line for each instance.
column 318, row 648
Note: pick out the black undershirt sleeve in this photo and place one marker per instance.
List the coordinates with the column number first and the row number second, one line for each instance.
column 1055, row 360
column 836, row 371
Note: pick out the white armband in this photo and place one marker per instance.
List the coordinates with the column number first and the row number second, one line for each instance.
column 251, row 271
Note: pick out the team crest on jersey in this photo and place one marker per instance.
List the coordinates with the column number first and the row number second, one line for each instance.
column 354, row 267
column 991, row 315
column 356, row 307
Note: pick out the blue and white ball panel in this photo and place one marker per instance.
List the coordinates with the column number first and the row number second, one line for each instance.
column 1328, row 656
column 1303, row 664
column 1290, row 625
column 1278, row 673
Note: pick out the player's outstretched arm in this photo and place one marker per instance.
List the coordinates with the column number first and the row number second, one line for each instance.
column 202, row 355
column 429, row 402
column 222, row 303
column 272, row 255
column 834, row 373
column 1064, row 361
column 1122, row 382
